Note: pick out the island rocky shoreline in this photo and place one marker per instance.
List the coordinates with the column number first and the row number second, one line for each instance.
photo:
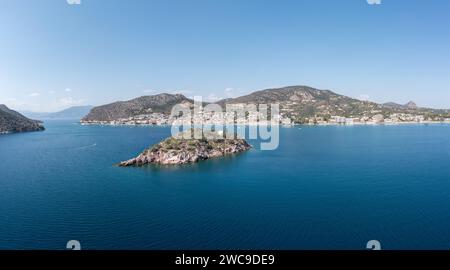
column 176, row 150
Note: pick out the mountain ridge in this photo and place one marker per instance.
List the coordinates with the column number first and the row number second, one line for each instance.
column 75, row 112
column 300, row 103
column 409, row 105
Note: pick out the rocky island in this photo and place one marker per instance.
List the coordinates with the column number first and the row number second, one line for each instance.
column 176, row 150
column 12, row 122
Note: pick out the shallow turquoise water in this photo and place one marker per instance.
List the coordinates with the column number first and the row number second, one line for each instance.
column 323, row 188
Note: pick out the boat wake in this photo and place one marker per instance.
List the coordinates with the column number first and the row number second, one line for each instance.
column 86, row 147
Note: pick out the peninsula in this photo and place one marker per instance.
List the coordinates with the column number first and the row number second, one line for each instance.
column 177, row 150
column 13, row 122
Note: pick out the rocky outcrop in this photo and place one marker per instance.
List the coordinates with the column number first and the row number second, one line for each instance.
column 12, row 122
column 411, row 105
column 176, row 150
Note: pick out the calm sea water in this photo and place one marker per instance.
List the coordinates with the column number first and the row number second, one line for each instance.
column 323, row 188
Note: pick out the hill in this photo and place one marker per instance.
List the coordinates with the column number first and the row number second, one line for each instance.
column 12, row 121
column 302, row 102
column 161, row 103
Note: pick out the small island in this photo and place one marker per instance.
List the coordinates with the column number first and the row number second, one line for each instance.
column 176, row 150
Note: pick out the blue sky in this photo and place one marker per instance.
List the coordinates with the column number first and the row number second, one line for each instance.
column 54, row 55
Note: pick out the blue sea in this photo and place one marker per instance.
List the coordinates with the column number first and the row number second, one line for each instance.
column 325, row 187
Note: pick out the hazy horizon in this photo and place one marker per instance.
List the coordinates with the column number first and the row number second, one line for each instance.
column 55, row 55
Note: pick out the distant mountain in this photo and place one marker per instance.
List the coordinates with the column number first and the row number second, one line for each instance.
column 393, row 105
column 35, row 115
column 161, row 103
column 299, row 103
column 409, row 105
column 75, row 113
column 12, row 121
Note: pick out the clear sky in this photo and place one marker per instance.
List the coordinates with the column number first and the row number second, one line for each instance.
column 54, row 55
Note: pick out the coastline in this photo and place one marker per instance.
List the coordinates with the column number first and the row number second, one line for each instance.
column 382, row 124
column 280, row 124
column 19, row 132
